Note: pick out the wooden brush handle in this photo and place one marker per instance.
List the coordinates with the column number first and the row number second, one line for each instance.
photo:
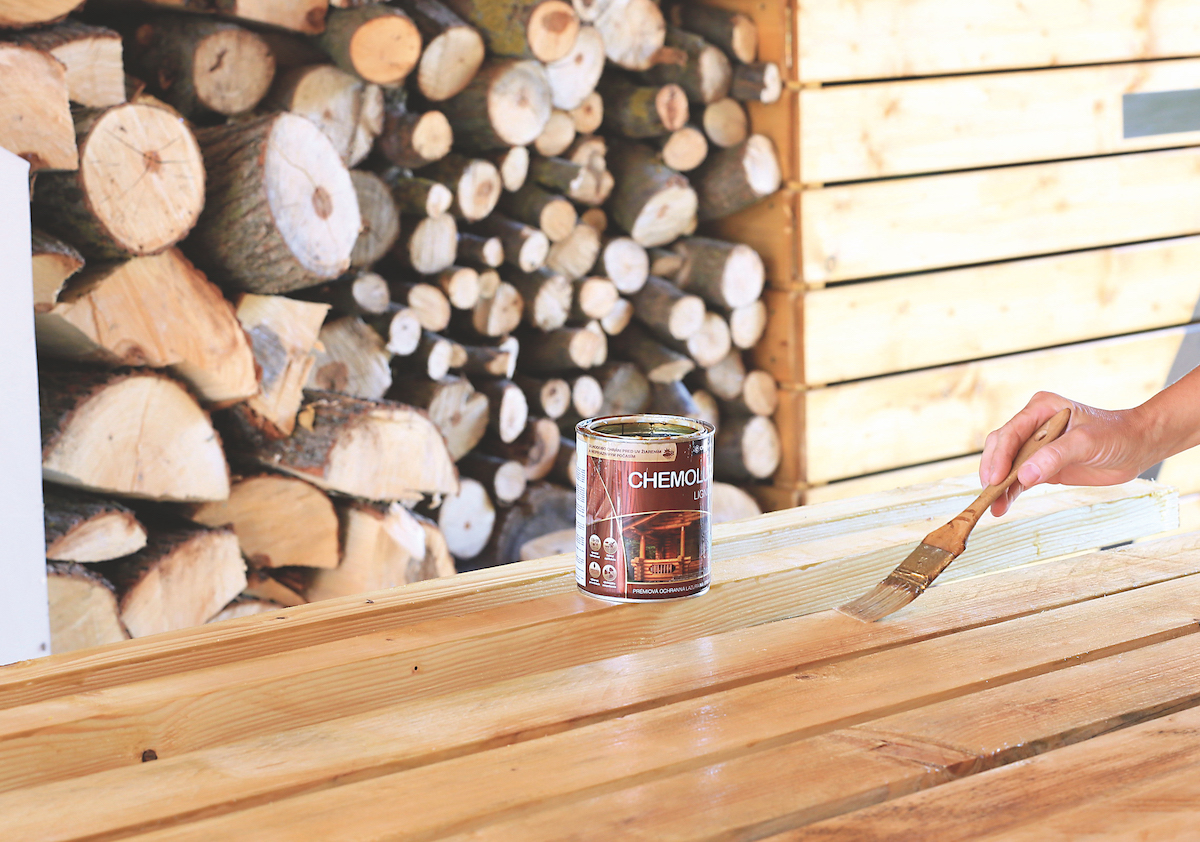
column 953, row 536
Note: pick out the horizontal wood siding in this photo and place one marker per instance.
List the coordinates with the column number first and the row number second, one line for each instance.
column 911, row 224
column 839, row 40
column 883, row 129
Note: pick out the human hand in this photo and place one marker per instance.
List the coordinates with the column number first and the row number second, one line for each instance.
column 1099, row 447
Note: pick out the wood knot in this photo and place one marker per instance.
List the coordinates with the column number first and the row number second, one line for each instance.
column 322, row 203
column 151, row 161
column 557, row 22
column 148, row 755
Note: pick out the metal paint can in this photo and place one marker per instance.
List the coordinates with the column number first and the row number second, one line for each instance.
column 643, row 507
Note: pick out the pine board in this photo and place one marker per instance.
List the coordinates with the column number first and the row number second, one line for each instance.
column 885, row 129
column 911, row 224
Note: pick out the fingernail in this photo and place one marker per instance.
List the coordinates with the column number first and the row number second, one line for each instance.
column 1031, row 475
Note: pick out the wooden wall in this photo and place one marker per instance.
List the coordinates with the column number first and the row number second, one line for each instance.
column 981, row 200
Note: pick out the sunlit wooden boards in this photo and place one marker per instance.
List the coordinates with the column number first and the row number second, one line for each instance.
column 923, row 416
column 844, row 40
column 885, row 129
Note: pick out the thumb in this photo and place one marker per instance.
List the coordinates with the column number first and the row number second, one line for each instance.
column 1071, row 448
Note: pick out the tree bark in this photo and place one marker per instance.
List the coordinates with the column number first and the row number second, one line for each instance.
column 545, row 508
column 269, row 584
column 735, row 178
column 550, row 397
column 761, row 82
column 281, row 212
column 412, row 139
column 544, row 29
column 279, row 521
column 361, row 294
column 459, row 412
column 668, row 310
column 139, row 188
column 474, row 183
column 574, row 76
column 159, row 312
column 453, row 49
column 673, row 399
column 202, row 68
column 532, row 205
column 35, row 113
column 733, row 32
column 181, row 578
column 746, row 449
column 283, row 332
column 80, row 527
column 565, row 349
column 706, row 72
column 376, row 450
column 307, row 16
column 642, row 111
column 93, row 436
column 421, row 196
column 525, row 246
column 83, row 608
column 508, row 410
column 95, row 72
column 53, row 263
column 651, row 202
column 503, row 478
column 427, row 245
column 660, row 363
column 535, row 448
column 378, row 43
column 493, row 360
column 432, row 359
column 380, row 219
column 728, row 275
column 347, row 110
column 507, row 103
column 479, row 251
column 354, row 360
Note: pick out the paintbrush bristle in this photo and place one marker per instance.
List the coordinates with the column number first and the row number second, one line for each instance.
column 902, row 585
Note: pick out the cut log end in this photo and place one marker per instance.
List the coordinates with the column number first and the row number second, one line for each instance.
column 725, row 122
column 685, row 149
column 552, row 29
column 449, row 62
column 83, row 609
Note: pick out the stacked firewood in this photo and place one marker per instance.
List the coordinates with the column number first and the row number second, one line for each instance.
column 322, row 287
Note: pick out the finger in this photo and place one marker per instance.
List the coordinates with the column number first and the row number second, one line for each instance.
column 1012, row 435
column 1072, row 448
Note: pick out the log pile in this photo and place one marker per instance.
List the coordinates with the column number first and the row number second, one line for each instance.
column 323, row 287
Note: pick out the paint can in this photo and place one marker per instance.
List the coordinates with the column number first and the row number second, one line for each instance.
column 643, row 507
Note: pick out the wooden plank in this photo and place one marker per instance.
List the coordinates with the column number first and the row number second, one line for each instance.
column 770, row 227
column 862, row 330
column 774, row 19
column 879, row 39
column 846, row 489
column 242, row 774
column 1002, row 800
column 789, row 421
column 462, row 793
column 762, row 792
column 859, row 230
column 905, row 419
column 883, row 129
column 780, row 351
column 89, row 731
column 422, row 601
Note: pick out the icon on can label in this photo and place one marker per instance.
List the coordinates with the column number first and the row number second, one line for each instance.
column 643, row 494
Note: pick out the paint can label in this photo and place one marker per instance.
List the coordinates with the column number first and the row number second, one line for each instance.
column 643, row 507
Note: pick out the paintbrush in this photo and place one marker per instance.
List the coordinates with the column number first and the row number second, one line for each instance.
column 943, row 545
